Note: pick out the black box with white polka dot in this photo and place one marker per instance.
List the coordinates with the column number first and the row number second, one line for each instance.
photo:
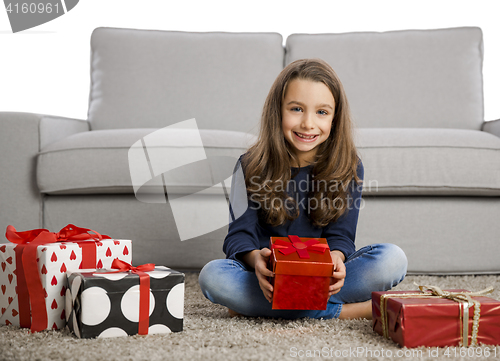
column 102, row 304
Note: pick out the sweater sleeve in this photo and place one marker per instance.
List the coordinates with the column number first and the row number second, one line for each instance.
column 341, row 234
column 242, row 234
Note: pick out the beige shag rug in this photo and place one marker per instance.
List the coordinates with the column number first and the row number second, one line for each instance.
column 210, row 334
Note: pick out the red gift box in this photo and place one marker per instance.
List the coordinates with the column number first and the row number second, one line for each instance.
column 303, row 268
column 437, row 318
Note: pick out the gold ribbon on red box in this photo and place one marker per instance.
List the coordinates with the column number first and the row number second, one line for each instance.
column 464, row 300
column 29, row 285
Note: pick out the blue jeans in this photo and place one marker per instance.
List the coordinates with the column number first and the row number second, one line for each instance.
column 233, row 284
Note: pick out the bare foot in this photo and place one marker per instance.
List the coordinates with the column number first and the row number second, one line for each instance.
column 356, row 310
column 234, row 313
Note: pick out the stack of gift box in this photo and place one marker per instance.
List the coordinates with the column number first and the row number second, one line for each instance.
column 85, row 280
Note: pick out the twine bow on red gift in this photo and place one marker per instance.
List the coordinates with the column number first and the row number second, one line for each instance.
column 298, row 246
column 144, row 286
column 29, row 285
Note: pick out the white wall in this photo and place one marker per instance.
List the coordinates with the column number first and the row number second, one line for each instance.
column 46, row 69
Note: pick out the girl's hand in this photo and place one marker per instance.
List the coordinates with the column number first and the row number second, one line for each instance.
column 258, row 259
column 337, row 280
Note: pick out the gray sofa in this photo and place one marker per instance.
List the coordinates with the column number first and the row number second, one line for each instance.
column 432, row 165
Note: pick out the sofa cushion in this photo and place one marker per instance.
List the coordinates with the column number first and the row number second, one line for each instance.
column 150, row 79
column 396, row 161
column 404, row 79
column 98, row 161
column 429, row 162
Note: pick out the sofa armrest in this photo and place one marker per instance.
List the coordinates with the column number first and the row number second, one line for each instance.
column 54, row 128
column 21, row 137
column 492, row 127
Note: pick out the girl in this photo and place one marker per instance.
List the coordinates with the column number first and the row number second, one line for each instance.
column 303, row 177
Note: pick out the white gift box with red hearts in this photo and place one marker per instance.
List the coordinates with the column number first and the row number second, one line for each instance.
column 53, row 260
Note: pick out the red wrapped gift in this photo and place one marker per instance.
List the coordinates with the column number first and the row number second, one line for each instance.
column 303, row 268
column 435, row 318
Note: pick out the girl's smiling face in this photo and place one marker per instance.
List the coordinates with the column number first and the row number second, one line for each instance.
column 306, row 117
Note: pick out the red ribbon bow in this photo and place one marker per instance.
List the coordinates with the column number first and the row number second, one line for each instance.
column 122, row 266
column 29, row 285
column 298, row 246
column 41, row 236
column 144, row 286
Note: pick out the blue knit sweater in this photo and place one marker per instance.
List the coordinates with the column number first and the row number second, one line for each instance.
column 248, row 232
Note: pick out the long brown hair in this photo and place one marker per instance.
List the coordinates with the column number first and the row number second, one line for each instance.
column 268, row 163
